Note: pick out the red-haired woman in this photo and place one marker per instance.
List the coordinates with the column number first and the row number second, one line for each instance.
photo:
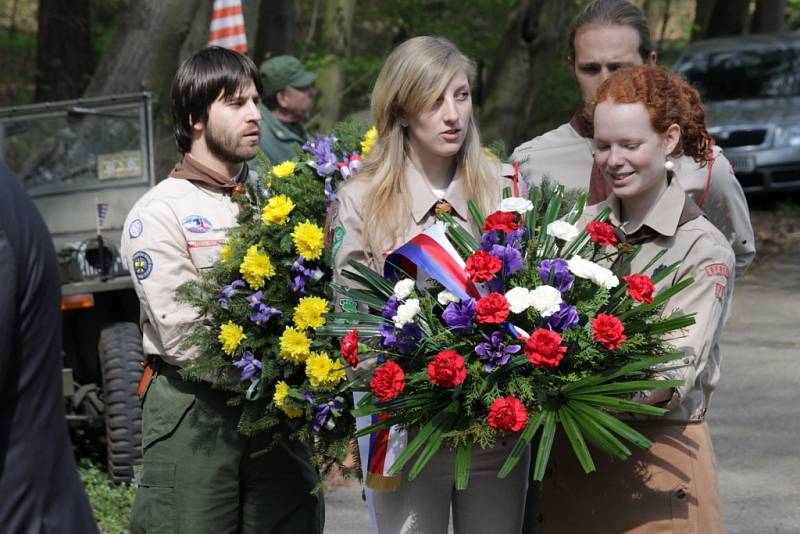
column 643, row 117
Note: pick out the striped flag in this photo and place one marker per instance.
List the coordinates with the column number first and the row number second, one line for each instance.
column 227, row 26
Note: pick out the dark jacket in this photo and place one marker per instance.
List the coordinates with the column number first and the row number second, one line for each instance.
column 40, row 491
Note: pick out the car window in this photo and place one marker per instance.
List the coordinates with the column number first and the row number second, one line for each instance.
column 737, row 74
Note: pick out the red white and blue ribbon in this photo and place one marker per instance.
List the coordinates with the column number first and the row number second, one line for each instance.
column 433, row 253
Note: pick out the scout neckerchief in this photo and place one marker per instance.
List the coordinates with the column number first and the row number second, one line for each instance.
column 191, row 169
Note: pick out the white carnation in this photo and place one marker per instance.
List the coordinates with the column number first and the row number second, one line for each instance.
column 445, row 298
column 518, row 299
column 403, row 288
column 516, row 204
column 546, row 300
column 562, row 230
column 406, row 313
column 591, row 271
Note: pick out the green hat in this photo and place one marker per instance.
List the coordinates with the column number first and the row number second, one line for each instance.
column 281, row 71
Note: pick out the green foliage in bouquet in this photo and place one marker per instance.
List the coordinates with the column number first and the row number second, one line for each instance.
column 263, row 301
column 545, row 336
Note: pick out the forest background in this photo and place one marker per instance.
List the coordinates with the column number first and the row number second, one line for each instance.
column 64, row 49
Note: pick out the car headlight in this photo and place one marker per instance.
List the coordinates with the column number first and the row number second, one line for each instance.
column 788, row 135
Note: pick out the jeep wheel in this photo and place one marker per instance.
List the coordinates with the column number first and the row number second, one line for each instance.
column 120, row 349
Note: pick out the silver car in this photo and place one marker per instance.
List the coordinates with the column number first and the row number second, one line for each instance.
column 751, row 94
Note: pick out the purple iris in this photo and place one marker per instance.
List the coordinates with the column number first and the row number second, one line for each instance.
column 556, row 273
column 324, row 159
column 490, row 239
column 227, row 292
column 565, row 318
column 389, row 310
column 460, row 315
column 254, row 300
column 303, row 275
column 494, row 352
column 510, row 256
column 326, row 410
column 308, row 396
column 248, row 364
column 264, row 313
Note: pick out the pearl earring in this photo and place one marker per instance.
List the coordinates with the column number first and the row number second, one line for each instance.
column 669, row 165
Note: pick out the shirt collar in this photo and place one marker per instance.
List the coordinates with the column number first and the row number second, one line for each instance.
column 423, row 198
column 663, row 217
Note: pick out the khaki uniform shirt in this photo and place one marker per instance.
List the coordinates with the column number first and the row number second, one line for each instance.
column 707, row 257
column 565, row 157
column 349, row 221
column 278, row 140
column 173, row 232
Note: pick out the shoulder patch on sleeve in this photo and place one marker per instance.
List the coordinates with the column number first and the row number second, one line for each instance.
column 718, row 269
column 338, row 237
column 135, row 228
column 142, row 264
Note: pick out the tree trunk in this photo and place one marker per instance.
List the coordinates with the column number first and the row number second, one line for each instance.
column 664, row 21
column 64, row 54
column 277, row 22
column 729, row 18
column 768, row 17
column 144, row 55
column 531, row 39
column 336, row 39
column 702, row 16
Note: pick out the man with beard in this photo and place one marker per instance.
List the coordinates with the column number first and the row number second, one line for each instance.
column 608, row 35
column 199, row 474
column 288, row 96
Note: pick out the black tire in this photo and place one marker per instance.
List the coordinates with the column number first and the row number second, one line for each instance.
column 120, row 349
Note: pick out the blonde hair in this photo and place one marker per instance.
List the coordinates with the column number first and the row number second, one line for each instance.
column 414, row 76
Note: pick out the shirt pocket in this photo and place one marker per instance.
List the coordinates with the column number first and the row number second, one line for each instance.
column 205, row 253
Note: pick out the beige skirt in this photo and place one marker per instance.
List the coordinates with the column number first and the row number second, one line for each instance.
column 670, row 488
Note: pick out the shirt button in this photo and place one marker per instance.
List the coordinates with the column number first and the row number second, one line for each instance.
column 680, row 494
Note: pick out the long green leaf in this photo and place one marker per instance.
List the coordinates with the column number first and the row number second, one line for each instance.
column 576, row 440
column 424, row 433
column 463, row 459
column 523, row 443
column 620, row 404
column 631, row 386
column 617, row 426
column 607, row 376
column 545, row 445
column 597, row 433
column 475, row 212
column 373, row 279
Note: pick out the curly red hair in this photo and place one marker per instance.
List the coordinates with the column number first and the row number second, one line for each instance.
column 668, row 98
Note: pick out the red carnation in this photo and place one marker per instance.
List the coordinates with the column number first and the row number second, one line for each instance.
column 482, row 266
column 602, row 233
column 447, row 369
column 640, row 287
column 493, row 308
column 544, row 348
column 501, row 220
column 508, row 413
column 349, row 348
column 387, row 381
column 608, row 330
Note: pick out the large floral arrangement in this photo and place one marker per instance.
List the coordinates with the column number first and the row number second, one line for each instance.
column 532, row 331
column 267, row 295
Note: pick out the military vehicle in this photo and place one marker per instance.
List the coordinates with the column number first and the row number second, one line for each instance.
column 85, row 162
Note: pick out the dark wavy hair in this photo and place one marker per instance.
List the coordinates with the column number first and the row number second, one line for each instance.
column 668, row 98
column 211, row 73
column 613, row 13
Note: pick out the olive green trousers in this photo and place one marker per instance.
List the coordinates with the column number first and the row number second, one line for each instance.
column 200, row 475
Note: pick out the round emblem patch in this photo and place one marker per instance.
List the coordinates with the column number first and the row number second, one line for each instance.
column 135, row 228
column 142, row 264
column 197, row 224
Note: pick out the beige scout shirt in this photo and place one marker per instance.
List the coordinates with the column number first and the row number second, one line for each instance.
column 347, row 225
column 707, row 257
column 172, row 233
column 565, row 157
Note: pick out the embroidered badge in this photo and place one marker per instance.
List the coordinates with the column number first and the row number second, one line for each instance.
column 338, row 237
column 135, row 228
column 142, row 264
column 197, row 224
column 718, row 269
column 719, row 290
column 348, row 305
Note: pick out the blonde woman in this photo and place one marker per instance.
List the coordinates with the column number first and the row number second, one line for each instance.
column 427, row 158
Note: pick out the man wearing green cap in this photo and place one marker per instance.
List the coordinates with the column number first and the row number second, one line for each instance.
column 288, row 96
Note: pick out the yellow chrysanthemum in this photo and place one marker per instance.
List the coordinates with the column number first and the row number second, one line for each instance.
column 281, row 392
column 277, row 210
column 489, row 154
column 292, row 411
column 226, row 253
column 369, row 140
column 284, row 170
column 322, row 371
column 230, row 335
column 256, row 268
column 308, row 240
column 295, row 345
column 310, row 312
